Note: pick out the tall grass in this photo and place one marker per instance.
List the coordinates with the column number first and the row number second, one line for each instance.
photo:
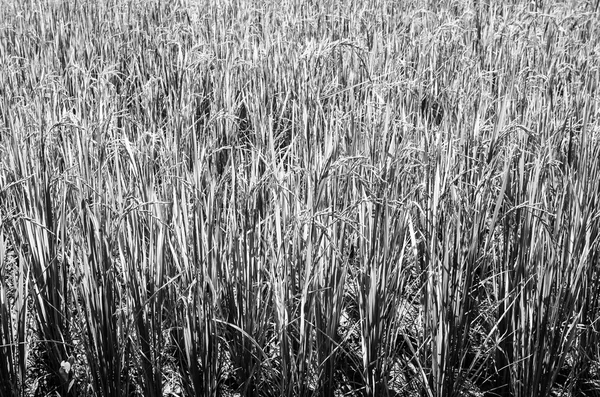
column 13, row 313
column 287, row 198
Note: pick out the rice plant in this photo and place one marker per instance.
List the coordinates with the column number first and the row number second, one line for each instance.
column 266, row 198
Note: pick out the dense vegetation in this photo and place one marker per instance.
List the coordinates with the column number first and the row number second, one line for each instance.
column 297, row 198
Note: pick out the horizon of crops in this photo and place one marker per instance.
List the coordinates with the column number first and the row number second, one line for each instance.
column 363, row 198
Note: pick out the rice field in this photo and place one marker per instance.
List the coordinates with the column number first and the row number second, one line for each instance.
column 299, row 198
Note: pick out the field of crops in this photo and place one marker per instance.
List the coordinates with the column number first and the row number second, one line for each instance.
column 299, row 198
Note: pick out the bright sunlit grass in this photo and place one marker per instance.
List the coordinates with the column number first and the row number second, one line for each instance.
column 292, row 198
